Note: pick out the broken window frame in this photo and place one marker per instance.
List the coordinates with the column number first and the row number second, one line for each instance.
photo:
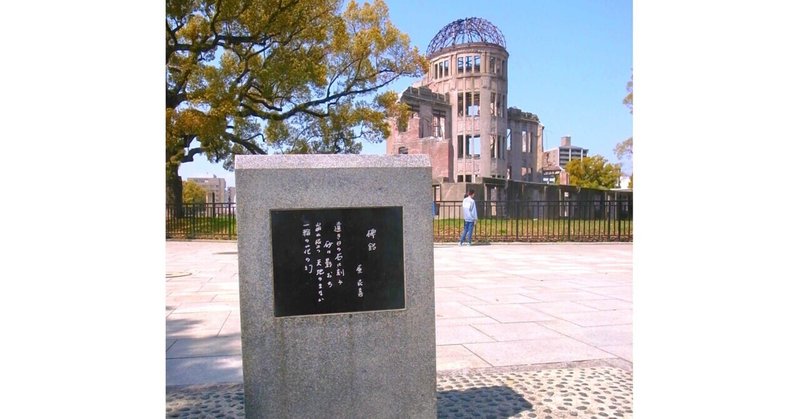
column 524, row 141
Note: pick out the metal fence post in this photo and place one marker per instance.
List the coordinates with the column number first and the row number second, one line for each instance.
column 230, row 221
column 569, row 220
column 619, row 221
column 516, row 219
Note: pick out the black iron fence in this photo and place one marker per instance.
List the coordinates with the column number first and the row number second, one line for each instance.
column 202, row 221
column 498, row 221
column 538, row 221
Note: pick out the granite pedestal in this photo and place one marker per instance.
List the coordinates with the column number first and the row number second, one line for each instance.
column 362, row 344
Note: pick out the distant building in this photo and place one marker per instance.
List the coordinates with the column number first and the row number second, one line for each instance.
column 556, row 159
column 214, row 187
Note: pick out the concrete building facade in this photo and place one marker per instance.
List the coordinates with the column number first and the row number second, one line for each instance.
column 214, row 187
column 460, row 115
column 556, row 159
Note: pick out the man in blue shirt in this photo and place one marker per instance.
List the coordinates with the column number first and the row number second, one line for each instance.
column 470, row 217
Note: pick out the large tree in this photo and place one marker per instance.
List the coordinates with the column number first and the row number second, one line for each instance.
column 593, row 172
column 292, row 76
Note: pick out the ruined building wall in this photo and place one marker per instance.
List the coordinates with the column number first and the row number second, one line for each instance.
column 527, row 155
column 425, row 133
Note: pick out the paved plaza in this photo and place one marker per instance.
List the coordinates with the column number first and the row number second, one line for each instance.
column 522, row 330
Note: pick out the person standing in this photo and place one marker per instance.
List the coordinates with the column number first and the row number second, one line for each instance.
column 470, row 217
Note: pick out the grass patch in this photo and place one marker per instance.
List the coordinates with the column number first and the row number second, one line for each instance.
column 445, row 230
column 202, row 228
column 508, row 230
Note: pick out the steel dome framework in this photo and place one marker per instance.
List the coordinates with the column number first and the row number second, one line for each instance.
column 464, row 31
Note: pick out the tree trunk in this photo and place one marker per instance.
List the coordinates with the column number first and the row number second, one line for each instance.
column 175, row 189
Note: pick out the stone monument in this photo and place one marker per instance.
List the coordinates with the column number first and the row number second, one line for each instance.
column 336, row 286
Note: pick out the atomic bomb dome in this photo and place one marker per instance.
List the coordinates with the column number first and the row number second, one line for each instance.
column 460, row 117
column 465, row 31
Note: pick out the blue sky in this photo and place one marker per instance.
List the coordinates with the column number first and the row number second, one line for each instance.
column 569, row 64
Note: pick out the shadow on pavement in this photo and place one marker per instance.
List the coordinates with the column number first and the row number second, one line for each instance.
column 228, row 401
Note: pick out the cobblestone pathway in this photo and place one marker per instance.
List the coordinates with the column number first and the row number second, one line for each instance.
column 590, row 392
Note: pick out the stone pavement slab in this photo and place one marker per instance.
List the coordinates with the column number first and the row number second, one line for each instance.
column 538, row 351
column 497, row 306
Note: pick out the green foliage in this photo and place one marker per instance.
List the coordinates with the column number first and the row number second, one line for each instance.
column 593, row 172
column 193, row 193
column 628, row 99
column 244, row 76
column 624, row 149
column 247, row 76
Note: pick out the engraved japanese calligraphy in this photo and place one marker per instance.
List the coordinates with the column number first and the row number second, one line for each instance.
column 337, row 260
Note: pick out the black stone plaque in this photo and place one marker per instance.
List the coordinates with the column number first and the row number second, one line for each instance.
column 337, row 260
